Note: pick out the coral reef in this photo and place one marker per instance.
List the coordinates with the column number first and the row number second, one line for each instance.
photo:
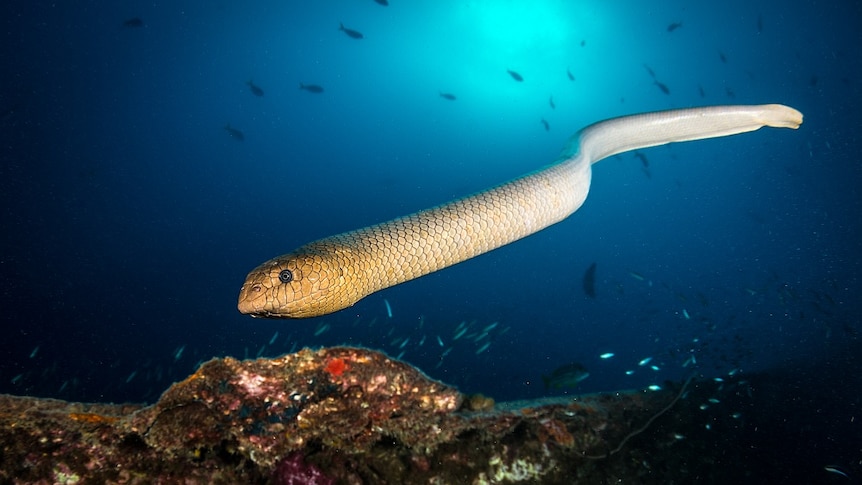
column 345, row 415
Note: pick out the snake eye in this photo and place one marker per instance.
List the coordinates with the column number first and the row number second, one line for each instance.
column 285, row 276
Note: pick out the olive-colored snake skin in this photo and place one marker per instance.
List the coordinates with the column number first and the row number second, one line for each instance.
column 335, row 272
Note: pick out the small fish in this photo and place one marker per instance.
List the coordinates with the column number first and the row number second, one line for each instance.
column 353, row 34
column 320, row 329
column 655, row 368
column 636, row 275
column 700, row 90
column 663, row 87
column 685, row 314
column 133, row 23
column 645, row 361
column 551, row 102
column 460, row 333
column 490, row 327
column 583, row 42
column 759, row 24
column 722, row 57
column 640, row 156
column 449, row 96
column 131, row 376
column 385, row 3
column 440, row 341
column 483, row 348
column 179, row 352
column 571, row 76
column 311, row 88
column 674, row 26
column 590, row 281
column 255, row 90
column 651, row 73
column 404, row 343
column 34, row 352
column 274, row 337
column 388, row 308
column 569, row 375
column 234, row 133
column 654, row 387
column 546, row 125
column 836, row 470
column 606, row 355
column 515, row 76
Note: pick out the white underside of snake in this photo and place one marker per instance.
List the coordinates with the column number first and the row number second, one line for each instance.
column 335, row 272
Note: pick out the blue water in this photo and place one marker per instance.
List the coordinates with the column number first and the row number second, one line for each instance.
column 130, row 217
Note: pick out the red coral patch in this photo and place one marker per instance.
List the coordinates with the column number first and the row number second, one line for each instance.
column 336, row 367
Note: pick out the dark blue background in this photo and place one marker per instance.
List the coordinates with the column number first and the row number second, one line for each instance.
column 130, row 217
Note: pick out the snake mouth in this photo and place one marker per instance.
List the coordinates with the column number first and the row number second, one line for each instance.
column 250, row 300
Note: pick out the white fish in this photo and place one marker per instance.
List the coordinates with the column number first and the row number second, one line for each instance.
column 490, row 327
column 388, row 308
column 460, row 333
column 654, row 387
column 179, row 352
column 404, row 343
column 630, row 372
column 321, row 328
column 836, row 470
column 131, row 376
column 606, row 355
column 483, row 348
column 34, row 352
column 440, row 341
column 685, row 314
column 645, row 361
column 655, row 368
column 274, row 336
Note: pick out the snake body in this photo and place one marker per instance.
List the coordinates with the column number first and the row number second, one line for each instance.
column 333, row 273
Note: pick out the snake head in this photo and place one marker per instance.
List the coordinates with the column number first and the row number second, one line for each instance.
column 313, row 280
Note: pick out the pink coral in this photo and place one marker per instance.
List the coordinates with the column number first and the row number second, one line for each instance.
column 293, row 470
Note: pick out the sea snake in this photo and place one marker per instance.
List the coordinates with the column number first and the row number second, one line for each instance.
column 333, row 273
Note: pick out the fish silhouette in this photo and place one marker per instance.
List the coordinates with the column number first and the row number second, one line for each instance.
column 133, row 23
column 255, row 89
column 311, row 88
column 234, row 133
column 449, row 96
column 354, row 34
column 515, row 76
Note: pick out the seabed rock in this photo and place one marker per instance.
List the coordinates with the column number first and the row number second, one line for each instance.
column 353, row 416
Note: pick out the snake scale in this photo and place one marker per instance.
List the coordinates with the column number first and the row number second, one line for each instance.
column 333, row 273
